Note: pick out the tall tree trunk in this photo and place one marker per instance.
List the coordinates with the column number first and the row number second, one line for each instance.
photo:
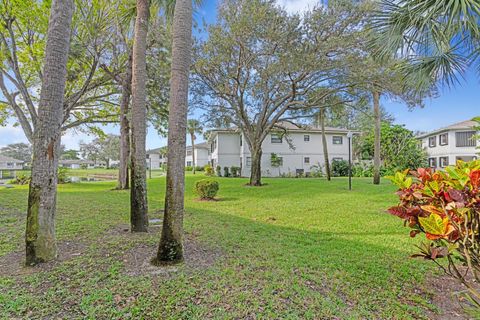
column 193, row 151
column 378, row 124
column 325, row 145
column 125, row 128
column 40, row 228
column 256, row 168
column 170, row 249
column 138, row 193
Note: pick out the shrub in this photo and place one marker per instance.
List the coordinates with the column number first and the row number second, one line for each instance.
column 208, row 170
column 235, row 171
column 199, row 168
column 219, row 171
column 62, row 175
column 20, row 179
column 340, row 168
column 316, row 171
column 225, row 172
column 206, row 188
column 188, row 168
column 445, row 207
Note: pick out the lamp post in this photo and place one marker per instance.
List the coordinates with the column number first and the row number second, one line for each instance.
column 349, row 136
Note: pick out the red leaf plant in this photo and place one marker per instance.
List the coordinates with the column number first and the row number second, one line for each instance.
column 445, row 207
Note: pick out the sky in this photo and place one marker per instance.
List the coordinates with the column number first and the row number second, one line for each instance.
column 456, row 104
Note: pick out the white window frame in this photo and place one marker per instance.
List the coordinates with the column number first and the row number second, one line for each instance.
column 337, row 137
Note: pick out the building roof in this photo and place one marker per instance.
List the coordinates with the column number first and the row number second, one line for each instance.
column 9, row 159
column 464, row 125
column 156, row 150
column 201, row 145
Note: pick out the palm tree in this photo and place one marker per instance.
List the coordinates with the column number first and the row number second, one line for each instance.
column 138, row 194
column 321, row 118
column 40, row 229
column 440, row 37
column 194, row 127
column 170, row 249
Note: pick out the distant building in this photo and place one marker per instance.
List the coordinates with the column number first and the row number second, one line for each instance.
column 300, row 149
column 201, row 155
column 156, row 158
column 9, row 166
column 447, row 145
column 81, row 164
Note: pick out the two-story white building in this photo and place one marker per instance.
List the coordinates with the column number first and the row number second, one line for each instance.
column 300, row 149
column 9, row 166
column 201, row 155
column 157, row 157
column 447, row 145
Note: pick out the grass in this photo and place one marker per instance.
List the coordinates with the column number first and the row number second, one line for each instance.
column 293, row 249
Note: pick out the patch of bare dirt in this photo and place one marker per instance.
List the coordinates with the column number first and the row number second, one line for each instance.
column 447, row 294
column 137, row 260
column 13, row 264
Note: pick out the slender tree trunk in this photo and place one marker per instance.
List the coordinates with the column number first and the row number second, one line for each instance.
column 138, row 193
column 325, row 145
column 256, row 168
column 170, row 249
column 40, row 229
column 376, row 154
column 193, row 151
column 123, row 178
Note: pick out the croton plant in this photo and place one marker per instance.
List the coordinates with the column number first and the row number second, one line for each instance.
column 444, row 206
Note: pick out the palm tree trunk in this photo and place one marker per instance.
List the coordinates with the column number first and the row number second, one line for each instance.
column 125, row 128
column 325, row 145
column 138, row 193
column 40, row 228
column 170, row 249
column 193, row 151
column 376, row 153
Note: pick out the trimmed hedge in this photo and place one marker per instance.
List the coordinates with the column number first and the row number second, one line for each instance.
column 206, row 189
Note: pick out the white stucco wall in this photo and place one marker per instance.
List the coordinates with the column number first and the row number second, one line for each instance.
column 230, row 153
column 450, row 150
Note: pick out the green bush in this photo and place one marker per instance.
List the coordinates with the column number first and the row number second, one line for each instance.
column 21, row 179
column 208, row 170
column 62, row 175
column 206, row 189
column 219, row 171
column 340, row 168
column 199, row 168
column 235, row 171
column 188, row 168
column 225, row 172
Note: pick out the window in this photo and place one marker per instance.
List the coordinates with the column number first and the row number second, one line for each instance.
column 240, row 140
column 276, row 138
column 443, row 162
column 337, row 140
column 432, row 162
column 465, row 139
column 306, row 137
column 10, row 165
column 189, row 163
column 213, row 146
column 306, row 160
column 249, row 161
column 337, row 159
column 443, row 139
column 432, row 141
column 189, row 152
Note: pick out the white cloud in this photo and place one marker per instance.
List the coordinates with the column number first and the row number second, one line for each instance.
column 298, row 6
column 10, row 134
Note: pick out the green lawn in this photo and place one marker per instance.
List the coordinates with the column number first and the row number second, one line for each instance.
column 293, row 249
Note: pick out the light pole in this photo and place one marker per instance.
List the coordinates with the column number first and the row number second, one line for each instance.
column 349, row 136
